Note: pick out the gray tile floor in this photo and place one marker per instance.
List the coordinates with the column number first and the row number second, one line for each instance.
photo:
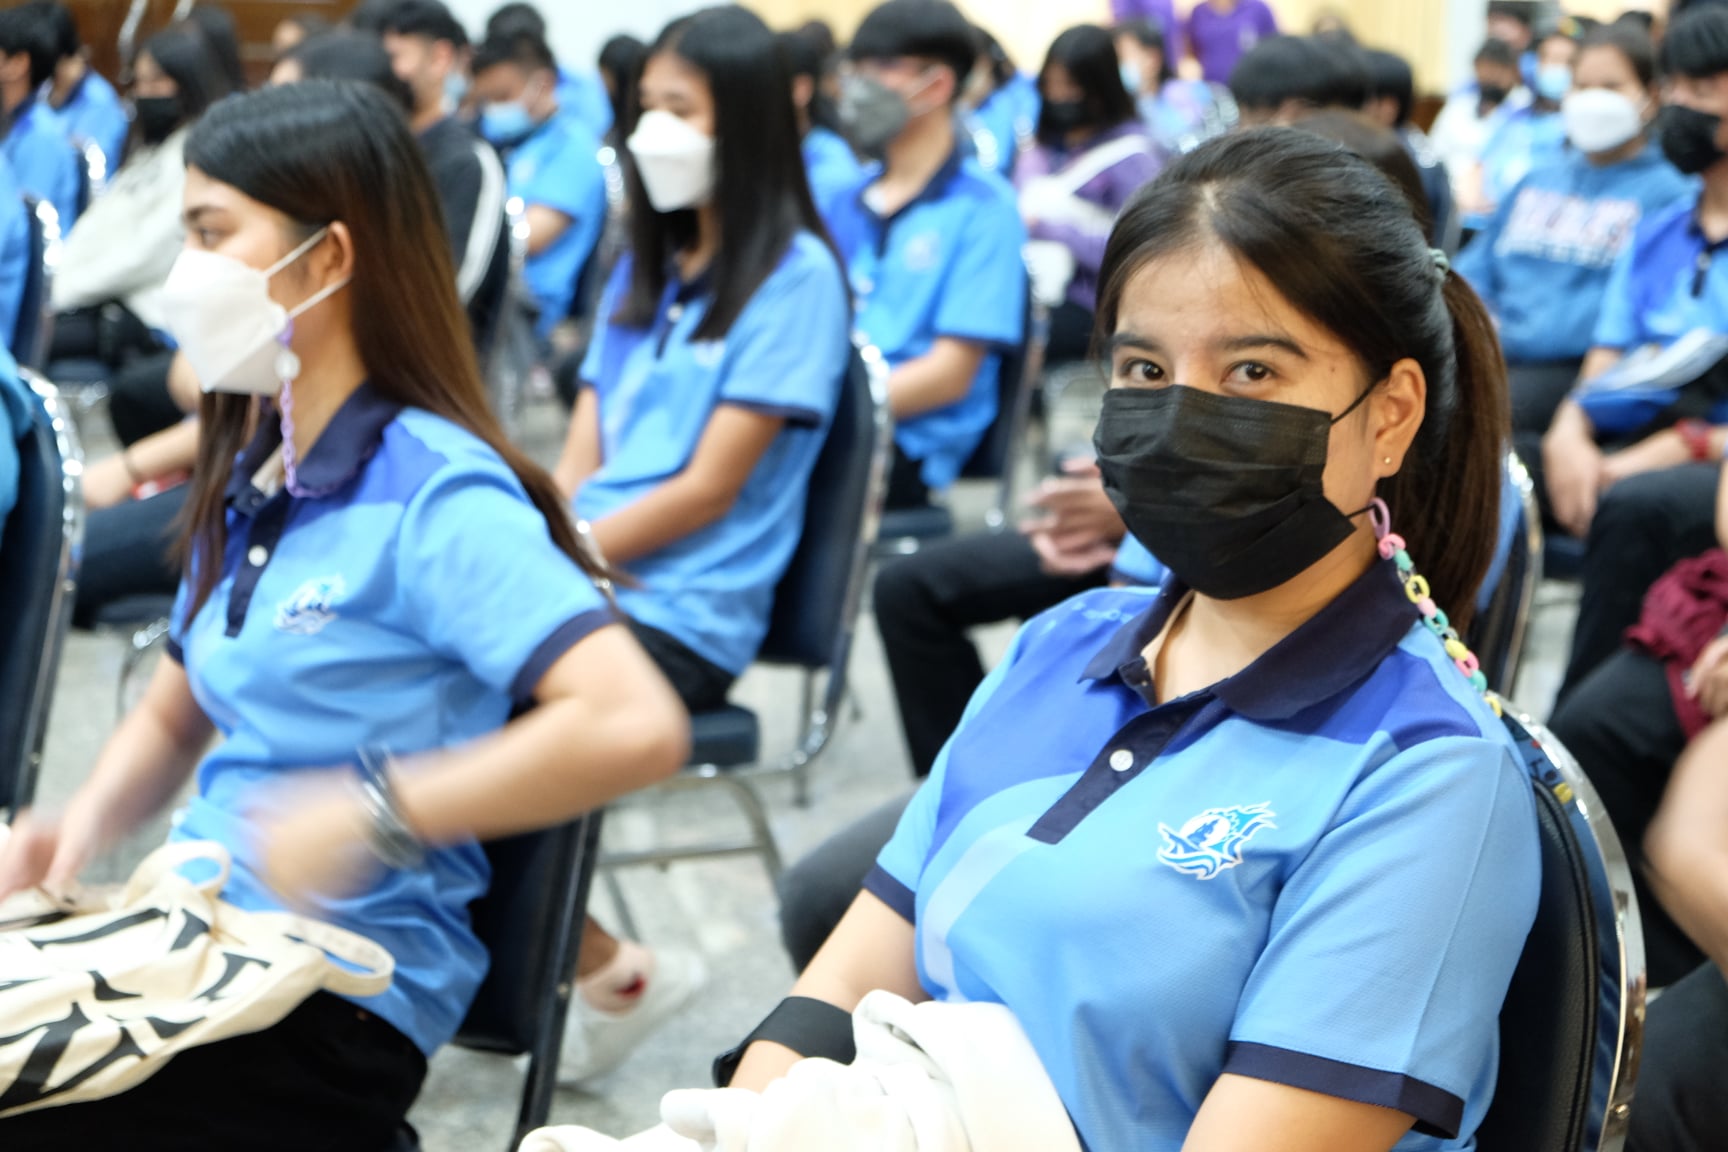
column 723, row 909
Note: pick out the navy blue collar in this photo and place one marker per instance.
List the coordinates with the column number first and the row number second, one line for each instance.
column 19, row 113
column 1695, row 225
column 1339, row 646
column 352, row 435
column 937, row 185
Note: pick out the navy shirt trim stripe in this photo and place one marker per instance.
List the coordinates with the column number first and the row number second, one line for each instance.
column 891, row 892
column 791, row 413
column 566, row 637
column 1437, row 1112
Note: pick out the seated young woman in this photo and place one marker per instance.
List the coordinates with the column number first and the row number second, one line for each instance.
column 1251, row 858
column 370, row 565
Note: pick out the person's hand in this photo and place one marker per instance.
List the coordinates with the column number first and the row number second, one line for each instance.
column 1664, row 449
column 45, row 852
column 1572, row 470
column 1707, row 682
column 107, row 482
column 1073, row 507
column 1079, row 560
column 314, row 842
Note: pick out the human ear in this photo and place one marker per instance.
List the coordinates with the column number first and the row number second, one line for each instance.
column 1396, row 410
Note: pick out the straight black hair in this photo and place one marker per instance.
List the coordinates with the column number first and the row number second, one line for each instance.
column 1279, row 69
column 995, row 57
column 352, row 56
column 516, row 20
column 1338, row 242
column 1630, row 42
column 1696, row 45
column 804, row 57
column 63, row 28
column 926, row 29
column 1088, row 54
column 330, row 150
column 525, row 50
column 429, row 19
column 223, row 36
column 622, row 58
column 1151, row 37
column 1381, row 147
column 760, row 189
column 26, row 29
column 1389, row 76
column 1498, row 53
column 184, row 55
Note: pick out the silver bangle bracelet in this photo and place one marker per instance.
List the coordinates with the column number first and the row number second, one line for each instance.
column 388, row 836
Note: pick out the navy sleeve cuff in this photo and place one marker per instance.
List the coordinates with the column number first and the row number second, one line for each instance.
column 892, row 893
column 175, row 652
column 791, row 413
column 564, row 638
column 1437, row 1112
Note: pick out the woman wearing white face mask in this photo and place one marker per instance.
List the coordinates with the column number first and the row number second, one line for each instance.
column 370, row 566
column 1543, row 261
column 720, row 345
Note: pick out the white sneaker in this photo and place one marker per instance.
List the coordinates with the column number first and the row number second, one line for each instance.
column 618, row 1007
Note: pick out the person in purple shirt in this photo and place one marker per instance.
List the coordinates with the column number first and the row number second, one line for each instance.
column 1092, row 155
column 1161, row 14
column 1220, row 31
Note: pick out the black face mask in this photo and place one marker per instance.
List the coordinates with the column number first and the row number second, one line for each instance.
column 158, row 116
column 1688, row 138
column 1225, row 491
column 1063, row 116
column 1493, row 94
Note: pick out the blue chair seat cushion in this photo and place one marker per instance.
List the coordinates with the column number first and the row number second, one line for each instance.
column 727, row 737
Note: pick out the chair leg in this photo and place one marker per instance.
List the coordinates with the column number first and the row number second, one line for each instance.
column 760, row 833
column 614, row 889
column 142, row 641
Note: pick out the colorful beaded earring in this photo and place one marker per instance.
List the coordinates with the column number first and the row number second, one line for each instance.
column 1416, row 588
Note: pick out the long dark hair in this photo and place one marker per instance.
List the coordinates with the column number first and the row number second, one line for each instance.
column 183, row 52
column 1338, row 241
column 760, row 187
column 1088, row 54
column 622, row 58
column 323, row 151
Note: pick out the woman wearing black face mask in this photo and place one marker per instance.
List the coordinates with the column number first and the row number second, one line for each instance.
column 1092, row 155
column 1251, row 858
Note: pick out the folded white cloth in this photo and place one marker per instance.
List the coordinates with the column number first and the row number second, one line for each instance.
column 928, row 1077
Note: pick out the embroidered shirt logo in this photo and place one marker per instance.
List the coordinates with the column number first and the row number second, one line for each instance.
column 1213, row 840
column 307, row 611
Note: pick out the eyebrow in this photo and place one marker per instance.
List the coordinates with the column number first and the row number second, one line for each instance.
column 1242, row 343
column 197, row 212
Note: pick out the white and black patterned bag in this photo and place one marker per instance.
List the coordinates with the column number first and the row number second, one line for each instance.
column 96, row 995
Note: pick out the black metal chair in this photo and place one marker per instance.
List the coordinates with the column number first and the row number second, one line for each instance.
column 1572, row 1025
column 34, row 333
column 905, row 530
column 530, row 920
column 39, row 553
column 1497, row 633
column 811, row 628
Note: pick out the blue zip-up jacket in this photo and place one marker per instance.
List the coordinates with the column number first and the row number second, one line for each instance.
column 1542, row 262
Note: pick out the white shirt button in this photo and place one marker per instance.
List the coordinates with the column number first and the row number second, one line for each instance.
column 1121, row 760
column 257, row 556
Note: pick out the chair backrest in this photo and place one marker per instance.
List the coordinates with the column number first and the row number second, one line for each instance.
column 34, row 332
column 816, row 601
column 39, row 551
column 1572, row 1025
column 990, row 460
column 1497, row 633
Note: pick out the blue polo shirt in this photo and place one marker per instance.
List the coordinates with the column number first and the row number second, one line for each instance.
column 14, row 252
column 658, row 386
column 16, row 404
column 1319, row 872
column 558, row 166
column 1135, row 565
column 1007, row 116
column 412, row 607
column 93, row 112
column 583, row 95
column 43, row 159
column 1667, row 282
column 830, row 164
column 947, row 264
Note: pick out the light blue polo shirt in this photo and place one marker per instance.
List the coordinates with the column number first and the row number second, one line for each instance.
column 947, row 264
column 43, row 159
column 1135, row 565
column 830, row 164
column 1667, row 282
column 14, row 251
column 1320, row 871
column 558, row 166
column 93, row 112
column 410, row 608
column 658, row 387
column 583, row 95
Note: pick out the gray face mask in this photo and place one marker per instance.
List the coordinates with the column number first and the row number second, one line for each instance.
column 871, row 113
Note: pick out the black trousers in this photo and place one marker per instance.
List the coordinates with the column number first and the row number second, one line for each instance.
column 128, row 551
column 701, row 684
column 906, row 487
column 925, row 605
column 816, row 891
column 1682, row 1103
column 1620, row 724
column 138, row 399
column 1070, row 334
column 329, row 1077
column 1537, row 391
column 1643, row 527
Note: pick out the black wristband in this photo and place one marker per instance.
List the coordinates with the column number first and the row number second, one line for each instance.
column 808, row 1027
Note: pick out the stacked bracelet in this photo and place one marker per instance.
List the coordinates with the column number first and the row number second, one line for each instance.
column 387, row 833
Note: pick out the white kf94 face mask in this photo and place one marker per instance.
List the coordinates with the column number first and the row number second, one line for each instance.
column 219, row 311
column 1600, row 120
column 675, row 160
